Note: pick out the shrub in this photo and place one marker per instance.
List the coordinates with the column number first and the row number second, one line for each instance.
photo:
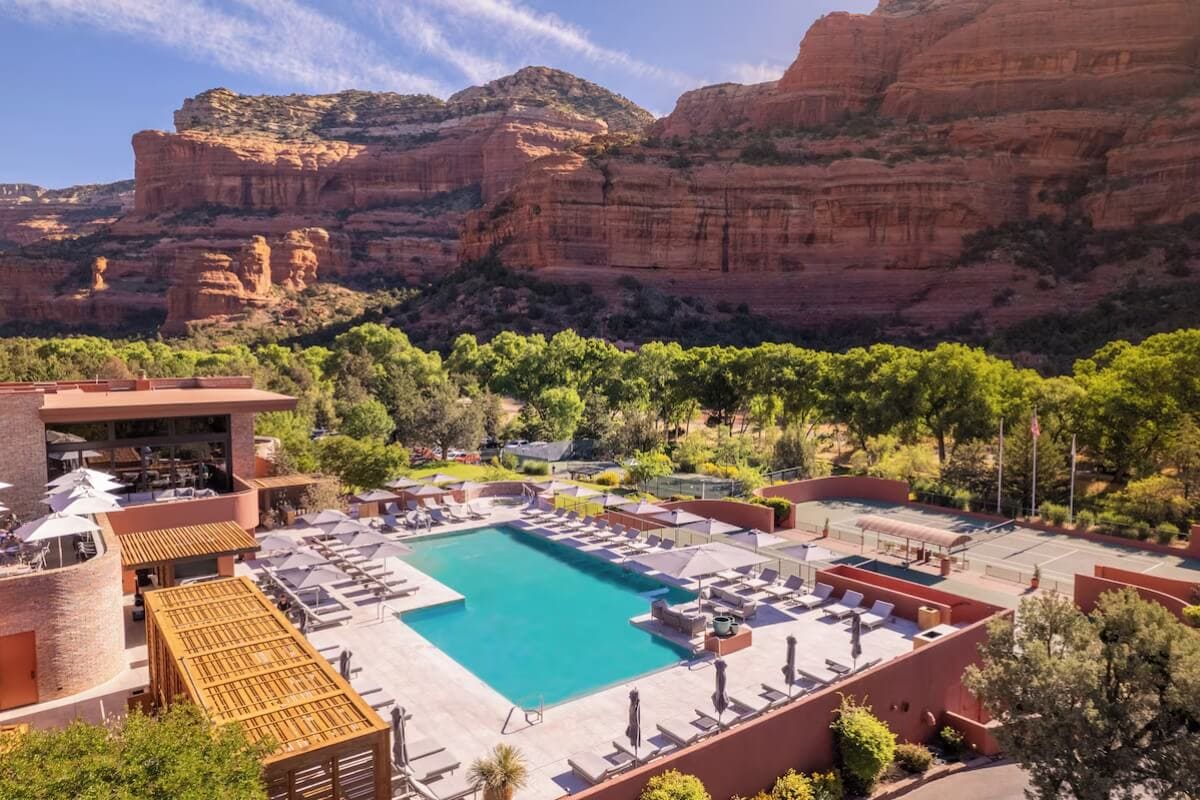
column 607, row 478
column 713, row 470
column 1053, row 513
column 1085, row 520
column 536, row 467
column 692, row 451
column 953, row 742
column 1191, row 615
column 792, row 786
column 509, row 461
column 865, row 746
column 1165, row 533
column 827, row 786
column 1115, row 524
column 674, row 785
column 913, row 757
column 781, row 506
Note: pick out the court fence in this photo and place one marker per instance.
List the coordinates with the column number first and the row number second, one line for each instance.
column 1025, row 578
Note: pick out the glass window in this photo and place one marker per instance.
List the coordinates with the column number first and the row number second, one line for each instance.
column 186, row 426
column 199, row 568
column 66, row 432
column 141, row 428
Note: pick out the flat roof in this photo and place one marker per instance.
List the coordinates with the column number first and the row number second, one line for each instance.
column 285, row 481
column 163, row 545
column 84, row 406
column 242, row 661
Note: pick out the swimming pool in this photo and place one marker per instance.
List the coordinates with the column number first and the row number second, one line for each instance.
column 539, row 618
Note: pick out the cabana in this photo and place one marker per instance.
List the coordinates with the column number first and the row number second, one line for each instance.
column 948, row 541
column 225, row 647
column 186, row 552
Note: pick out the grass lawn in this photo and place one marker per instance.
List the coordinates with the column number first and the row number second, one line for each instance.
column 483, row 472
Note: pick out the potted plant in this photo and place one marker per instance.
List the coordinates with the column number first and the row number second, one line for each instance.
column 500, row 773
column 1037, row 576
column 722, row 624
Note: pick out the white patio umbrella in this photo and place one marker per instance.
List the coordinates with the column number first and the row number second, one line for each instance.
column 710, row 526
column 90, row 504
column 440, row 477
column 312, row 577
column 363, row 538
column 427, row 490
column 298, row 559
column 278, row 542
column 699, row 561
column 344, row 527
column 677, row 518
column 642, row 509
column 61, row 496
column 402, row 483
column 611, row 500
column 81, row 474
column 75, row 456
column 55, row 526
column 578, row 491
column 326, row 517
column 384, row 550
column 4, row 485
column 465, row 486
column 808, row 552
column 375, row 496
column 552, row 486
column 756, row 538
column 84, row 482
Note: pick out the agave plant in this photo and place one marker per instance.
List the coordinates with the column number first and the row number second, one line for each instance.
column 501, row 773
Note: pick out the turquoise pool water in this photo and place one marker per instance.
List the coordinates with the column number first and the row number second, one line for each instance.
column 539, row 618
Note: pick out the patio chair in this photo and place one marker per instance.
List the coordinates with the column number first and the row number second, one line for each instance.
column 684, row 732
column 763, row 579
column 748, row 703
column 666, row 544
column 878, row 615
column 780, row 592
column 431, row 766
column 439, row 516
column 444, row 787
column 595, row 768
column 647, row 752
column 476, row 513
column 850, row 603
column 457, row 514
column 822, row 593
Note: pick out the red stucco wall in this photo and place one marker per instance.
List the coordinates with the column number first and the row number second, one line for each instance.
column 840, row 486
column 732, row 512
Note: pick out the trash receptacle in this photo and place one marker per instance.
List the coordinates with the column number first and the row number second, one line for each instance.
column 928, row 617
column 944, row 567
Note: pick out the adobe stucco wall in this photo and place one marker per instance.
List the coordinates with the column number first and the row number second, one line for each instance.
column 77, row 618
column 23, row 456
column 240, row 506
column 1171, row 594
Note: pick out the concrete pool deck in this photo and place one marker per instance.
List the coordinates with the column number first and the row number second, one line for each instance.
column 462, row 712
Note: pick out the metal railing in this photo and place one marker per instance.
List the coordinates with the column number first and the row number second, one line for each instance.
column 1026, row 578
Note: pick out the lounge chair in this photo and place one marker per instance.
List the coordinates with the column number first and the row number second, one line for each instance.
column 430, row 766
column 440, row 516
column 748, row 705
column 476, row 513
column 685, row 732
column 647, row 752
column 850, row 602
column 791, row 587
column 822, row 593
column 445, row 787
column 765, row 578
column 878, row 615
column 666, row 544
column 594, row 768
column 690, row 625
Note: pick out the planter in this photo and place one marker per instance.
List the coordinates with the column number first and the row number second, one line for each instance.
column 723, row 625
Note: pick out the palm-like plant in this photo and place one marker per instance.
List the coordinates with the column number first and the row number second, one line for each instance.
column 501, row 773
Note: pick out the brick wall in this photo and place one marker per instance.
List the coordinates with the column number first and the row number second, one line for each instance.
column 242, row 441
column 23, row 456
column 76, row 615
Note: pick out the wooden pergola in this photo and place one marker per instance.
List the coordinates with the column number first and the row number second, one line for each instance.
column 161, row 549
column 225, row 647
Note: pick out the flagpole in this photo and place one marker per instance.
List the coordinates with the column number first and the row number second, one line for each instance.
column 1071, row 501
column 1000, row 474
column 1034, row 432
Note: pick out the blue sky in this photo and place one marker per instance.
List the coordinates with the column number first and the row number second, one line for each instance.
column 81, row 76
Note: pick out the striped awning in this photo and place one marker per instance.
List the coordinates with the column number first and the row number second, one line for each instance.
column 890, row 526
column 165, row 545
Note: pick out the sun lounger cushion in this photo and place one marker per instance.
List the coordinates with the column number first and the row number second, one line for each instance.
column 432, row 765
column 591, row 767
column 680, row 731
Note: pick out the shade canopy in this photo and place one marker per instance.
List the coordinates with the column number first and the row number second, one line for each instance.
column 344, row 527
column 427, row 490
column 756, row 539
column 275, row 542
column 81, row 481
column 91, row 504
column 641, row 509
column 466, row 486
column 402, row 483
column 375, row 496
column 677, row 518
column 82, row 473
column 312, row 577
column 363, row 538
column 711, row 526
column 384, row 550
column 701, row 560
column 552, row 486
column 611, row 500
column 808, row 552
column 326, row 517
column 54, row 526
column 890, row 526
column 299, row 559
column 577, row 491
column 441, row 477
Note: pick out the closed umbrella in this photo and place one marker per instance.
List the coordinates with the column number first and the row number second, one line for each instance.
column 855, row 638
column 756, row 538
column 789, row 667
column 344, row 663
column 398, row 737
column 720, row 698
column 633, row 731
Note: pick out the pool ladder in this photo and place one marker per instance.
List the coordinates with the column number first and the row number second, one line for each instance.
column 534, row 714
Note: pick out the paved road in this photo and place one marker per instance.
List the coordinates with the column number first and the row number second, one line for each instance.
column 1002, row 781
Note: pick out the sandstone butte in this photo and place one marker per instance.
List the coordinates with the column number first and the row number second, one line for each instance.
column 842, row 190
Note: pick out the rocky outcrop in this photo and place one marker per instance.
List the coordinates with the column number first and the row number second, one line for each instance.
column 31, row 213
column 214, row 279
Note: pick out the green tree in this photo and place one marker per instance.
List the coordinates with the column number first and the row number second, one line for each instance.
column 446, row 420
column 873, row 391
column 972, row 467
column 648, row 466
column 366, row 419
column 958, row 393
column 634, row 430
column 295, row 452
column 559, row 410
column 1155, row 499
column 178, row 754
column 692, row 451
column 1053, row 466
column 361, row 463
column 1096, row 708
column 795, row 449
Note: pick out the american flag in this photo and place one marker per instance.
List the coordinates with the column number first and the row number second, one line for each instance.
column 1034, row 429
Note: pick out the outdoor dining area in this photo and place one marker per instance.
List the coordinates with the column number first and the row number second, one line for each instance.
column 73, row 500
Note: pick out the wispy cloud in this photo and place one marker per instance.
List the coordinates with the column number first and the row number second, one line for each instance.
column 756, row 73
column 280, row 40
column 417, row 28
column 518, row 21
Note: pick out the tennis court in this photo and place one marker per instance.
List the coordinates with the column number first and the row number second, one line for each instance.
column 1006, row 551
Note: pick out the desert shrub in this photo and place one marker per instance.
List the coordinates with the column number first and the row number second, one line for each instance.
column 607, row 478
column 913, row 757
column 953, row 742
column 1114, row 524
column 1053, row 513
column 1165, row 533
column 749, row 478
column 827, row 786
column 726, row 471
column 780, row 506
column 792, row 785
column 864, row 743
column 1191, row 615
column 674, row 785
column 509, row 461
column 1085, row 520
column 536, row 468
column 692, row 451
